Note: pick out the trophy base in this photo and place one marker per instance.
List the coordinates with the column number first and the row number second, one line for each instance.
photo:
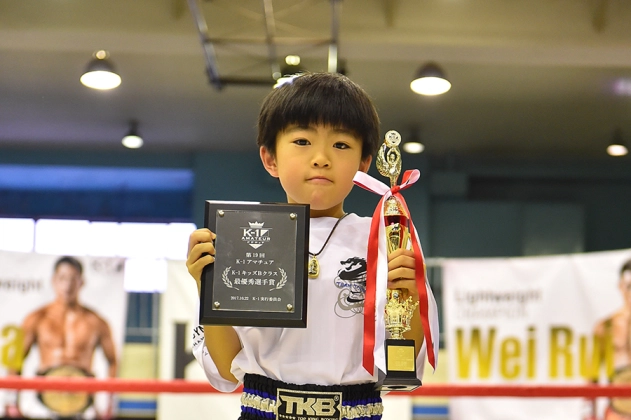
column 399, row 384
column 400, row 366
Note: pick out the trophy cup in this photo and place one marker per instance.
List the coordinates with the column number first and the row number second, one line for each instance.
column 399, row 309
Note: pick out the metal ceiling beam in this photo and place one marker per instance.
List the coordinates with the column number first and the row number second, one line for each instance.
column 316, row 42
column 271, row 41
column 335, row 35
column 389, row 7
column 270, row 35
column 209, row 51
column 599, row 21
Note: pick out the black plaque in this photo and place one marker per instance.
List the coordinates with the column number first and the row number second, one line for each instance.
column 259, row 277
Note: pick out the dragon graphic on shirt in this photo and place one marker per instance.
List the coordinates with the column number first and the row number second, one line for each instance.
column 351, row 279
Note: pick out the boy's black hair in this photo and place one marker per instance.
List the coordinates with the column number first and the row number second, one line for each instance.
column 625, row 267
column 71, row 261
column 319, row 98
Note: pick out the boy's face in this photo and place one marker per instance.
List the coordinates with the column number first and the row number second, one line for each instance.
column 316, row 166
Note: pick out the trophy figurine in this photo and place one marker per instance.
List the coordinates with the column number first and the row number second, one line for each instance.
column 400, row 352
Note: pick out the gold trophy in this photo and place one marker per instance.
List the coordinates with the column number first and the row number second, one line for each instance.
column 400, row 352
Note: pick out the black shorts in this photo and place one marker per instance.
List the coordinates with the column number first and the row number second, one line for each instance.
column 267, row 399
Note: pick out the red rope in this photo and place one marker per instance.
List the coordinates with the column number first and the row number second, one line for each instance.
column 197, row 387
column 107, row 385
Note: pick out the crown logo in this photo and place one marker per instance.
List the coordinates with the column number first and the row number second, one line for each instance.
column 256, row 225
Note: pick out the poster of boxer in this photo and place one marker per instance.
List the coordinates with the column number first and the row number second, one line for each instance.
column 60, row 316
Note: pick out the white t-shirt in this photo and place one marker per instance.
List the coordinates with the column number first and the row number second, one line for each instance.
column 329, row 350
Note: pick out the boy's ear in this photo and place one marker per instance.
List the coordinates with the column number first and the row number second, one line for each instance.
column 269, row 161
column 364, row 165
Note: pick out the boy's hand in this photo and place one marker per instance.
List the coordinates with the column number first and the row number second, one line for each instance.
column 402, row 272
column 201, row 252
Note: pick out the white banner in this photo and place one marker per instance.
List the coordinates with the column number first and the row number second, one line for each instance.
column 535, row 320
column 74, row 323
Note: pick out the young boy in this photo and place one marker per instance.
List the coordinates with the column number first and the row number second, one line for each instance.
column 314, row 134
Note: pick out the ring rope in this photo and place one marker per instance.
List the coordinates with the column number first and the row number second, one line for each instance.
column 199, row 387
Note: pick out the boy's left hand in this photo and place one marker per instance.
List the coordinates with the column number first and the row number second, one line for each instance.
column 402, row 271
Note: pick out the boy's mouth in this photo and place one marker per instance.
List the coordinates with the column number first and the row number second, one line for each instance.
column 319, row 179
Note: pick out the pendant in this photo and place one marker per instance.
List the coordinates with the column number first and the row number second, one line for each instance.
column 313, row 268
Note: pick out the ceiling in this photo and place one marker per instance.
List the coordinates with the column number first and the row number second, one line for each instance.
column 529, row 77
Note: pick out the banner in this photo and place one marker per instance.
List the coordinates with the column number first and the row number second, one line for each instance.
column 56, row 321
column 535, row 320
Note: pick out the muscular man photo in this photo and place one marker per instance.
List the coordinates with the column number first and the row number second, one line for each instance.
column 614, row 336
column 67, row 334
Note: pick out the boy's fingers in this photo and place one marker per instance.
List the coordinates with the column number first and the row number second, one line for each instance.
column 401, row 273
column 401, row 270
column 195, row 269
column 402, row 261
column 204, row 258
column 199, row 250
column 198, row 266
column 399, row 252
column 405, row 284
column 200, row 236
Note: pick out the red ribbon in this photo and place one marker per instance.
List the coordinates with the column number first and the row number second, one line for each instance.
column 371, row 277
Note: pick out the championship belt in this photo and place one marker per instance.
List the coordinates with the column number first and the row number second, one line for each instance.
column 62, row 402
column 622, row 376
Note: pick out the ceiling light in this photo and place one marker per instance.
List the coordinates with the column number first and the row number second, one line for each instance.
column 132, row 139
column 413, row 147
column 430, row 80
column 292, row 60
column 412, row 143
column 100, row 73
column 617, row 146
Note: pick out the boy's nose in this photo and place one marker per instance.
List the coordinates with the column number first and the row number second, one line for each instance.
column 320, row 164
column 320, row 160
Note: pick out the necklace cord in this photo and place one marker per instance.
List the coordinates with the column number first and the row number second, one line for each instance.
column 328, row 237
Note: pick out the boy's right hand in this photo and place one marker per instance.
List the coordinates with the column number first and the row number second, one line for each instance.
column 201, row 252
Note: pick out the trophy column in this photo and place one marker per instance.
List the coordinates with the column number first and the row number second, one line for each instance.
column 400, row 352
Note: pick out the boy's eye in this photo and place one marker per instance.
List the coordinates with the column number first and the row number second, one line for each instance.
column 340, row 145
column 301, row 142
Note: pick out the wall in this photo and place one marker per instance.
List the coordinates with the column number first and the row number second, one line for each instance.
column 511, row 207
column 458, row 201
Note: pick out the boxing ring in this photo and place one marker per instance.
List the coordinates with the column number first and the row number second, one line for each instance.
column 179, row 387
column 553, row 353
